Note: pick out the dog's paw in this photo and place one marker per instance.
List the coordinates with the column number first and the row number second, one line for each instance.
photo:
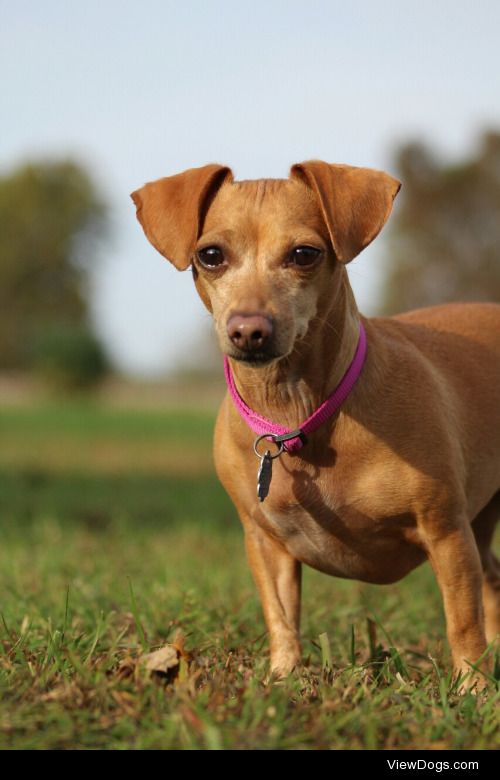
column 283, row 663
column 469, row 680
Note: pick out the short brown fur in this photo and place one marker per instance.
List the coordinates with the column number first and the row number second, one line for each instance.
column 409, row 470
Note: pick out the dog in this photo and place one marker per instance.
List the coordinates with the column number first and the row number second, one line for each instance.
column 401, row 462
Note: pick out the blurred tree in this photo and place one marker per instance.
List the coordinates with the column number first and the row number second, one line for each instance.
column 69, row 358
column 444, row 239
column 50, row 220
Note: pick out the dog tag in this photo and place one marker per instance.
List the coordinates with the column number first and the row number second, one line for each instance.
column 264, row 475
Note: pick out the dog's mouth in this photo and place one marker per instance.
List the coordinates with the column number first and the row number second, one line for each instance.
column 254, row 358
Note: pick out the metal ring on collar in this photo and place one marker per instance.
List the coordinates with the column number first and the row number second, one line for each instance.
column 272, row 436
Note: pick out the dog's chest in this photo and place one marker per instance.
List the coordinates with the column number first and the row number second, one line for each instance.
column 338, row 531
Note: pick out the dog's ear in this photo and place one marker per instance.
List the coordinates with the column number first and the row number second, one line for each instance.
column 171, row 210
column 356, row 202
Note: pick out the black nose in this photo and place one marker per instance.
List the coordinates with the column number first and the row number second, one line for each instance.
column 250, row 332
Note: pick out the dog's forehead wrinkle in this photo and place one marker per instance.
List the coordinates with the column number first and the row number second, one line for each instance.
column 267, row 209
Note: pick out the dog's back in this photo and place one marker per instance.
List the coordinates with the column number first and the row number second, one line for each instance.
column 461, row 343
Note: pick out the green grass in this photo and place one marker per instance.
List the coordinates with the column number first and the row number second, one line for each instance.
column 99, row 564
column 90, row 420
column 87, row 437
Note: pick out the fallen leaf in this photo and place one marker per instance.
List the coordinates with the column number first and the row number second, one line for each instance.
column 163, row 663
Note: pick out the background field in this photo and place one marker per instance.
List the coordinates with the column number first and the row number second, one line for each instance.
column 115, row 537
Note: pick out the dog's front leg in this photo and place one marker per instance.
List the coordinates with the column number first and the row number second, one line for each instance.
column 457, row 565
column 278, row 578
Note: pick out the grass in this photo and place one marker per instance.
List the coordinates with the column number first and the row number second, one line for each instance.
column 83, row 437
column 100, row 563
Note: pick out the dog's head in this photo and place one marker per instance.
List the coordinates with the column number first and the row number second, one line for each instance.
column 268, row 256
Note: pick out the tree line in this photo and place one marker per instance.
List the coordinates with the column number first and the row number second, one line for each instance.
column 442, row 244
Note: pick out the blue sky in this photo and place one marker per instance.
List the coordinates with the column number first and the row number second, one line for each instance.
column 142, row 90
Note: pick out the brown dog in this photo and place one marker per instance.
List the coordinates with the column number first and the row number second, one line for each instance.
column 409, row 468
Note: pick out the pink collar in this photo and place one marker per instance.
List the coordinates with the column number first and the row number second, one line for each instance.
column 294, row 440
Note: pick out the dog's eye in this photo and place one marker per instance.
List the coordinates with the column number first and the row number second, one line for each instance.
column 210, row 257
column 303, row 256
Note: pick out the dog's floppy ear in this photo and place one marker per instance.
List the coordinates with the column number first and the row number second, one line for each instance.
column 356, row 202
column 172, row 209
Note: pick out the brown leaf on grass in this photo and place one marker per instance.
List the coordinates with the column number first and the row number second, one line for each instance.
column 161, row 661
column 169, row 662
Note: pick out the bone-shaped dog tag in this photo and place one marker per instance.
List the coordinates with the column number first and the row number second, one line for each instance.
column 264, row 475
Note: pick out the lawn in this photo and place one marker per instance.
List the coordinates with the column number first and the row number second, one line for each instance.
column 116, row 540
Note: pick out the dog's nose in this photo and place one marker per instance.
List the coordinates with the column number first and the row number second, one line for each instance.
column 249, row 332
